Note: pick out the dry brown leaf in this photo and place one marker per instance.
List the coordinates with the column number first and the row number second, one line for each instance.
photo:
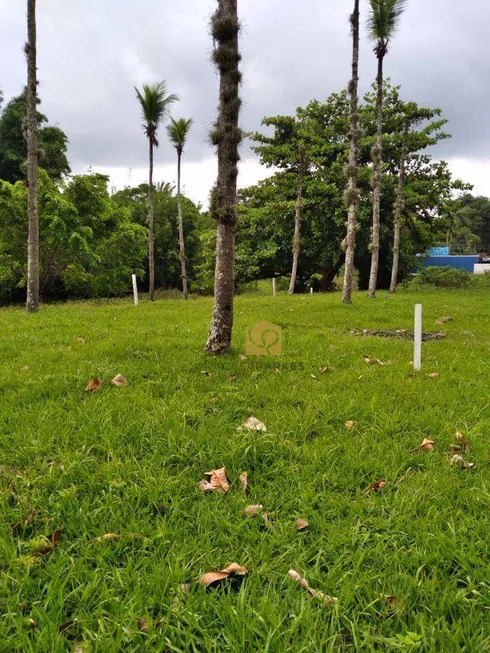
column 427, row 445
column 94, row 385
column 323, row 370
column 242, row 357
column 443, row 320
column 55, row 536
column 465, row 444
column 277, row 370
column 315, row 378
column 206, row 373
column 350, row 424
column 301, row 524
column 254, row 424
column 217, row 481
column 317, row 594
column 232, row 377
column 119, row 380
column 455, row 448
column 142, row 624
column 267, row 521
column 434, row 375
column 213, row 577
column 23, row 524
column 250, row 511
column 375, row 361
column 243, row 481
column 375, row 487
column 79, row 338
column 461, row 462
column 32, row 623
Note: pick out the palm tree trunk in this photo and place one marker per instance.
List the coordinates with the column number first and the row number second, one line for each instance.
column 227, row 136
column 181, row 229
column 399, row 204
column 151, row 228
column 297, row 231
column 32, row 303
column 377, row 156
column 352, row 194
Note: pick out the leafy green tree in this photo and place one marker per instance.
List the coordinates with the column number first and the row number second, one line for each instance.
column 465, row 225
column 155, row 103
column 52, row 144
column 178, row 130
column 383, row 21
column 288, row 149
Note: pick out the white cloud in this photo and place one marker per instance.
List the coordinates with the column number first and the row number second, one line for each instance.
column 473, row 171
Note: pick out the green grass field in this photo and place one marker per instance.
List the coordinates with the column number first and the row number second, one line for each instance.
column 409, row 564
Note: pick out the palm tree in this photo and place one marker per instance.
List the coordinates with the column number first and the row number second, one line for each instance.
column 352, row 194
column 382, row 23
column 227, row 137
column 178, row 131
column 155, row 103
column 32, row 303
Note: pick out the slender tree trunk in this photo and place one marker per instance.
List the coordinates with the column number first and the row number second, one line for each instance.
column 151, row 228
column 32, row 303
column 297, row 230
column 352, row 194
column 377, row 156
column 181, row 229
column 399, row 205
column 227, row 137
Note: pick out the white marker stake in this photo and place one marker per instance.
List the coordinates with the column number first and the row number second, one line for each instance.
column 417, row 338
column 311, row 291
column 273, row 287
column 135, row 290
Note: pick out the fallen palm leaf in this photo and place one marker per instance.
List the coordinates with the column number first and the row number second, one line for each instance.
column 317, row 594
column 350, row 424
column 119, row 380
column 465, row 444
column 250, row 511
column 94, row 385
column 217, row 481
column 254, row 424
column 214, row 577
column 375, row 487
column 243, row 478
column 301, row 524
column 461, row 462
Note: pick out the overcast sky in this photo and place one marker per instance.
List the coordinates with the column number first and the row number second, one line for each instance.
column 92, row 53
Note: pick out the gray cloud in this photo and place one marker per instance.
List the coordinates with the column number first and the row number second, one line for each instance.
column 90, row 59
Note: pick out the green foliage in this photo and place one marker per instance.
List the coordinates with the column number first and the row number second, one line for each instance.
column 167, row 266
column 444, row 277
column 89, row 245
column 266, row 212
column 383, row 19
column 155, row 103
column 52, row 144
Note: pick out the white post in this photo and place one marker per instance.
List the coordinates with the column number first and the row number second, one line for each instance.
column 135, row 290
column 417, row 338
column 273, row 287
column 311, row 291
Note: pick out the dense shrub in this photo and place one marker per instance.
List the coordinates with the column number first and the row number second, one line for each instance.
column 443, row 277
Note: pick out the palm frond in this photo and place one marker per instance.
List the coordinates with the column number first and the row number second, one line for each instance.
column 155, row 104
column 178, row 130
column 384, row 17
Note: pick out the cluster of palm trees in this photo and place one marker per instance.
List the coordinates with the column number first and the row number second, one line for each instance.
column 155, row 102
column 383, row 19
